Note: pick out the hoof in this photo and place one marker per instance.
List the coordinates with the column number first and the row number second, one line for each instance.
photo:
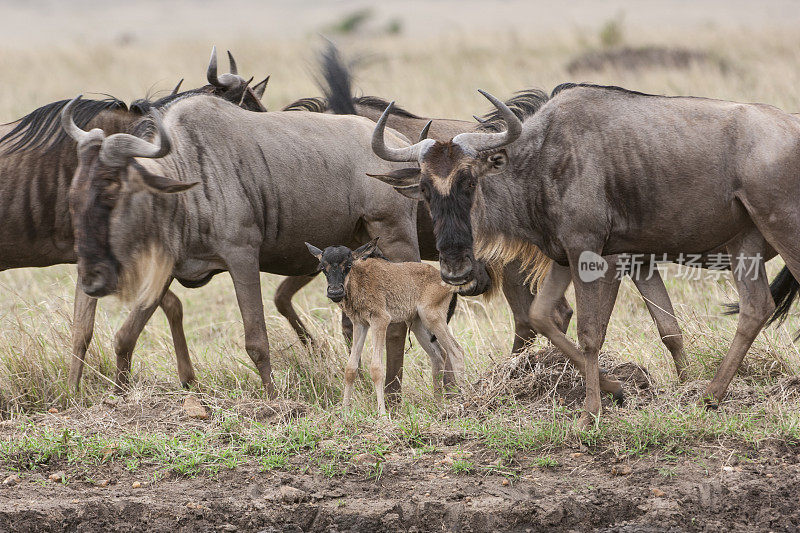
column 619, row 398
column 586, row 421
column 709, row 403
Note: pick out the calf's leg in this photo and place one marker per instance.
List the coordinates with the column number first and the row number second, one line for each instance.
column 377, row 368
column 354, row 361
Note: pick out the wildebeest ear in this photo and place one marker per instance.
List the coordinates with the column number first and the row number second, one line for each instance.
column 366, row 250
column 159, row 184
column 316, row 252
column 403, row 177
column 498, row 162
column 412, row 191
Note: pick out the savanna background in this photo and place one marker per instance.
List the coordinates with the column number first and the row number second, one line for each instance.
column 513, row 427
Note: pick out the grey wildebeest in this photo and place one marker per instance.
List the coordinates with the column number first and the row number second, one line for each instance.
column 606, row 170
column 339, row 98
column 374, row 292
column 37, row 163
column 258, row 199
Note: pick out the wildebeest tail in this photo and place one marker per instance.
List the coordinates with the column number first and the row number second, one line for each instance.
column 336, row 82
column 784, row 289
column 451, row 310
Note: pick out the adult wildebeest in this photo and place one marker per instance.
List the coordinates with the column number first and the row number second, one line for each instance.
column 339, row 98
column 268, row 182
column 37, row 163
column 604, row 170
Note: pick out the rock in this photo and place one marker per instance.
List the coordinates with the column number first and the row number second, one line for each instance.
column 11, row 480
column 102, row 483
column 621, row 470
column 576, row 455
column 505, row 482
column 136, row 485
column 365, row 459
column 287, row 494
column 57, row 477
column 52, row 410
column 194, row 409
column 658, row 493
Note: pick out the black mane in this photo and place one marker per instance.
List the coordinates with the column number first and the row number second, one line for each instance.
column 42, row 127
column 565, row 86
column 143, row 105
column 380, row 104
column 315, row 105
column 524, row 104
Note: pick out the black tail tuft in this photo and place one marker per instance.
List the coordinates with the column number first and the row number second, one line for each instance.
column 784, row 289
column 450, row 311
column 337, row 82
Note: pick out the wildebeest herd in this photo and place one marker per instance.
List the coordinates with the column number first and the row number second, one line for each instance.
column 207, row 180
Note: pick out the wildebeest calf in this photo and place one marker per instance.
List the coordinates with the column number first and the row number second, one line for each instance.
column 373, row 293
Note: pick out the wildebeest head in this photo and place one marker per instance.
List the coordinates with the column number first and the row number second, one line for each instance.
column 229, row 86
column 106, row 178
column 449, row 180
column 336, row 262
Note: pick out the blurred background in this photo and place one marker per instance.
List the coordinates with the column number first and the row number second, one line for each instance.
column 430, row 56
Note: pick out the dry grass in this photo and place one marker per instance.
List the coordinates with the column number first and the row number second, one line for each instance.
column 430, row 76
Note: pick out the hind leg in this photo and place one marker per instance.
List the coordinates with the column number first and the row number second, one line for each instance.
column 454, row 368
column 283, row 303
column 377, row 367
column 655, row 296
column 172, row 307
column 354, row 361
column 82, row 330
column 434, row 352
column 755, row 307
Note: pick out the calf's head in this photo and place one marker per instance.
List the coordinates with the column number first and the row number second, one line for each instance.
column 108, row 234
column 449, row 181
column 336, row 261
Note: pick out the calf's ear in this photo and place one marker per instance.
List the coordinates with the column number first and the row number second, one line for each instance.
column 405, row 181
column 316, row 252
column 366, row 250
column 159, row 184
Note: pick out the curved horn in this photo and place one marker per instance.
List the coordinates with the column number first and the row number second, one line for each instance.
column 177, row 88
column 424, row 133
column 234, row 69
column 69, row 125
column 481, row 142
column 119, row 148
column 244, row 90
column 407, row 154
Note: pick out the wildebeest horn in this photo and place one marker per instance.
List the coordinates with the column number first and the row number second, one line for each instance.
column 226, row 80
column 232, row 62
column 244, row 91
column 481, row 142
column 119, row 148
column 72, row 129
column 177, row 88
column 407, row 154
column 260, row 87
column 424, row 133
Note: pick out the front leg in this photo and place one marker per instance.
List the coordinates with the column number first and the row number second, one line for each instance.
column 244, row 269
column 377, row 368
column 354, row 361
column 82, row 330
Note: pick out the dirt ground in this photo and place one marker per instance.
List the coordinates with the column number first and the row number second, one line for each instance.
column 583, row 493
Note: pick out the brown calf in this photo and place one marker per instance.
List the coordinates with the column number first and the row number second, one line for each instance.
column 374, row 293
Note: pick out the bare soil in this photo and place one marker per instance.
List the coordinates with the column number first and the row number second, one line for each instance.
column 583, row 493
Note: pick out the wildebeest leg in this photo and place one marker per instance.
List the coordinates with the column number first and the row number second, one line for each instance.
column 520, row 298
column 172, row 307
column 82, row 331
column 244, row 270
column 347, row 330
column 377, row 367
column 283, row 303
column 755, row 307
column 125, row 341
column 398, row 243
column 354, row 361
column 550, row 292
column 434, row 352
column 454, row 368
column 659, row 305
